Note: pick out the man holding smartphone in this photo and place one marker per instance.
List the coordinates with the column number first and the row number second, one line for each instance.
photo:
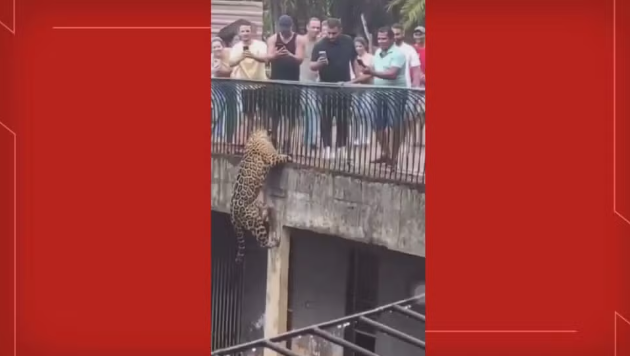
column 333, row 57
column 388, row 70
column 285, row 51
column 248, row 58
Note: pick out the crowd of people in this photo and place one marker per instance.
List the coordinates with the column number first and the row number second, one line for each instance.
column 324, row 55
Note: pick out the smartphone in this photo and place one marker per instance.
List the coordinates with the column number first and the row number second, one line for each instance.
column 360, row 62
column 279, row 46
column 245, row 48
column 322, row 54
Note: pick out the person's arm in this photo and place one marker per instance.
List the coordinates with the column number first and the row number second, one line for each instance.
column 316, row 62
column 416, row 72
column 213, row 67
column 261, row 56
column 398, row 64
column 236, row 56
column 300, row 44
column 224, row 69
column 271, row 48
column 353, row 59
column 361, row 77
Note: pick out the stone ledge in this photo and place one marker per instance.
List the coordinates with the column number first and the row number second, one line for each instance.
column 385, row 214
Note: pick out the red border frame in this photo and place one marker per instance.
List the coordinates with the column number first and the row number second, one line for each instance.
column 114, row 178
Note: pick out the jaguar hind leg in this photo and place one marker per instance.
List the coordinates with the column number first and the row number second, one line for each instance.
column 266, row 214
column 256, row 225
column 263, row 209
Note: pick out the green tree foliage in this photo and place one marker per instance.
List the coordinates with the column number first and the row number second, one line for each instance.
column 412, row 12
column 377, row 13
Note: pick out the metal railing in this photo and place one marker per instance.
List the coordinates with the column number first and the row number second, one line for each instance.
column 359, row 130
column 402, row 307
column 228, row 285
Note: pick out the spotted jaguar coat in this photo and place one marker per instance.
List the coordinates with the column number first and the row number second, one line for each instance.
column 247, row 212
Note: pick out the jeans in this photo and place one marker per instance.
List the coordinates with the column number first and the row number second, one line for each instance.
column 311, row 111
column 363, row 112
column 224, row 112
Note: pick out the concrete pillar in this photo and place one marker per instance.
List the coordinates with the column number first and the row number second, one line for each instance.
column 277, row 288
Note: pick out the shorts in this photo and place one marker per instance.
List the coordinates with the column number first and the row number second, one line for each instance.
column 415, row 106
column 390, row 108
column 364, row 106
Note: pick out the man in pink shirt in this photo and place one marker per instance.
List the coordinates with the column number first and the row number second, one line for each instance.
column 418, row 36
column 419, row 45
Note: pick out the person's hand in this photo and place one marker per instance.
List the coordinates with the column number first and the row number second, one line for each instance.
column 367, row 71
column 247, row 54
column 322, row 61
column 282, row 52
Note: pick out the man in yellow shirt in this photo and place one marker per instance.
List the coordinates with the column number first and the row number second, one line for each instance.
column 248, row 58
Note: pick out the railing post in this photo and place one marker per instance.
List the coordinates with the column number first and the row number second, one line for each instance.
column 277, row 286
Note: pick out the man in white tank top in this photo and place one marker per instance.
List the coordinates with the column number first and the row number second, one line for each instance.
column 308, row 76
column 310, row 38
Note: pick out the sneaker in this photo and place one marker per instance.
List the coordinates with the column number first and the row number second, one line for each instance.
column 382, row 159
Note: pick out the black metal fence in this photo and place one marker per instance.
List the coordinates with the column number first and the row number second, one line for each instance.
column 227, row 285
column 237, row 290
column 361, row 130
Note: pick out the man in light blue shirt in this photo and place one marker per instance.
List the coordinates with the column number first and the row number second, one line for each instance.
column 388, row 70
column 389, row 62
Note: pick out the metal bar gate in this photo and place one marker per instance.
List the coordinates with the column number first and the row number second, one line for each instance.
column 401, row 307
column 227, row 285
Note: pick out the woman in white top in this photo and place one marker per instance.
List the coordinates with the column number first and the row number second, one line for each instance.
column 364, row 103
column 221, row 103
column 220, row 59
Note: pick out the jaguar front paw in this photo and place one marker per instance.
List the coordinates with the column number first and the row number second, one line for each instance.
column 273, row 243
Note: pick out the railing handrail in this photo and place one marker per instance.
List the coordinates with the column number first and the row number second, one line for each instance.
column 421, row 90
column 318, row 329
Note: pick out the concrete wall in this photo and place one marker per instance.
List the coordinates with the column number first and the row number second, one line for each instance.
column 397, row 274
column 319, row 277
column 319, row 265
column 384, row 214
column 226, row 12
column 321, row 215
